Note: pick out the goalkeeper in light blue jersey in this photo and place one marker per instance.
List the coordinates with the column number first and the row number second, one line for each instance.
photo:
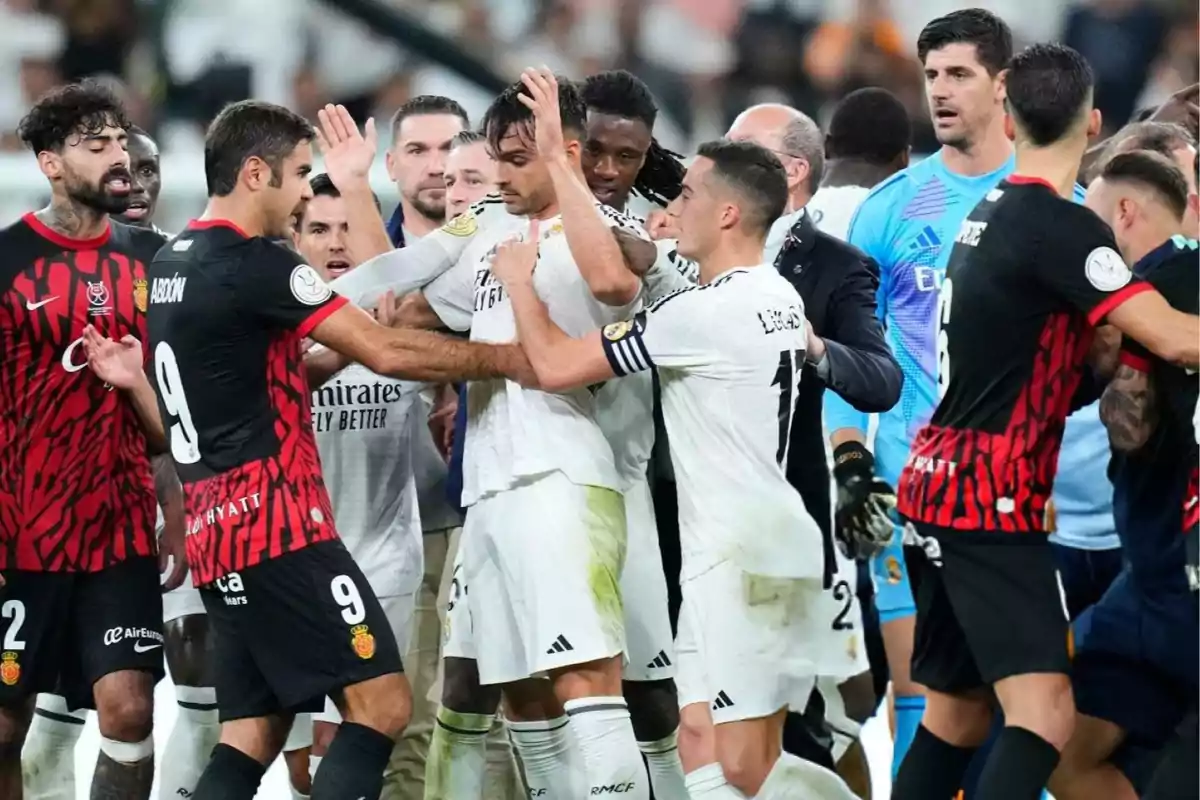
column 907, row 225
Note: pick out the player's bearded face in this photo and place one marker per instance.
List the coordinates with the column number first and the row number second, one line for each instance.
column 963, row 98
column 288, row 192
column 97, row 176
column 417, row 161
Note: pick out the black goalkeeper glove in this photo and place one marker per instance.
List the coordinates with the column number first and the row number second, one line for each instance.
column 863, row 521
column 1191, row 545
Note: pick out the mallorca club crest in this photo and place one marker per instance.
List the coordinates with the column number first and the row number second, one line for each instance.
column 363, row 642
column 10, row 670
column 141, row 294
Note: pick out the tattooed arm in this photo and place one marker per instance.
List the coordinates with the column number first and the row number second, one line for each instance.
column 1128, row 410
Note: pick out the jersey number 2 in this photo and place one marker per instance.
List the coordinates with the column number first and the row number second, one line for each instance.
column 945, row 296
column 790, row 361
column 185, row 442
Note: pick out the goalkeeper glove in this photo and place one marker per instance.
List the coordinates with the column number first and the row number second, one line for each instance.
column 863, row 521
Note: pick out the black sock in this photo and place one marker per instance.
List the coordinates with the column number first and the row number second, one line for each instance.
column 354, row 764
column 1019, row 767
column 932, row 769
column 1175, row 775
column 230, row 775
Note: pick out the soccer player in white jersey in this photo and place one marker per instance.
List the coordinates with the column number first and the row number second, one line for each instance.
column 366, row 428
column 867, row 142
column 553, row 514
column 728, row 354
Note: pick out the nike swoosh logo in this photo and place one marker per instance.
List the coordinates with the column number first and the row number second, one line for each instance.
column 31, row 306
column 138, row 647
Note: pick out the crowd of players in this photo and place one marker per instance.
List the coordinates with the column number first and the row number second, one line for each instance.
column 556, row 297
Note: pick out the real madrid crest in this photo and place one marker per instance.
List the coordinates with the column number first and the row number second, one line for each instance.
column 617, row 330
column 462, row 225
column 141, row 294
column 363, row 642
column 10, row 670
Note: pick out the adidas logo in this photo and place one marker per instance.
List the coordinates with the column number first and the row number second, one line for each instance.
column 722, row 701
column 661, row 660
column 561, row 645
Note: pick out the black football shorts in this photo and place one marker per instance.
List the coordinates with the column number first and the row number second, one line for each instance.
column 63, row 631
column 293, row 630
column 989, row 606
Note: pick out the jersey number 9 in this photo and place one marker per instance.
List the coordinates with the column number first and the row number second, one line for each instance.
column 185, row 442
column 945, row 296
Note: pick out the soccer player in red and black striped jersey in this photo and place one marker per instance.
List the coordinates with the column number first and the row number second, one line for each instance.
column 1030, row 274
column 295, row 618
column 82, row 608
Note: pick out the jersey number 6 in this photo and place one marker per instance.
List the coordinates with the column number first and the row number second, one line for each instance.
column 185, row 442
column 945, row 296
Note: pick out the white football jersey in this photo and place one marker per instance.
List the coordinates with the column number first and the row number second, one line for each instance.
column 832, row 208
column 407, row 269
column 515, row 433
column 366, row 426
column 729, row 355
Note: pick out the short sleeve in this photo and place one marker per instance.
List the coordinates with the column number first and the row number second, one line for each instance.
column 618, row 219
column 1079, row 262
column 281, row 290
column 664, row 335
column 1177, row 281
column 452, row 296
column 670, row 271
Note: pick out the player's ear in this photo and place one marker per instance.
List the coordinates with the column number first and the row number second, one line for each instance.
column 730, row 216
column 574, row 149
column 51, row 164
column 256, row 173
column 1095, row 122
column 1010, row 129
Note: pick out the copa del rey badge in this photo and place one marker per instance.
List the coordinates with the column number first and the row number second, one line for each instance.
column 10, row 670
column 363, row 642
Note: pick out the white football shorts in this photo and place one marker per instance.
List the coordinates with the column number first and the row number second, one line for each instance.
column 839, row 628
column 458, row 640
column 650, row 649
column 399, row 610
column 743, row 646
column 543, row 562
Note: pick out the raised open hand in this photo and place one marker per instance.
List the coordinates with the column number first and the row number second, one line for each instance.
column 348, row 153
column 541, row 97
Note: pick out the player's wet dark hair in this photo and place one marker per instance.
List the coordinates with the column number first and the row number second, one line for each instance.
column 1153, row 171
column 86, row 108
column 1048, row 86
column 322, row 186
column 755, row 173
column 466, row 137
column 622, row 94
column 247, row 129
column 507, row 110
column 425, row 105
column 990, row 35
column 870, row 125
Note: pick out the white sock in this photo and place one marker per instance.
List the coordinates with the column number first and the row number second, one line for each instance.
column 611, row 758
column 793, row 778
column 296, row 795
column 666, row 772
column 457, row 755
column 501, row 775
column 552, row 770
column 190, row 743
column 313, row 763
column 708, row 783
column 48, row 758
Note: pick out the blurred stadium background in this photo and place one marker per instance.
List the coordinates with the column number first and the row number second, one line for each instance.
column 179, row 61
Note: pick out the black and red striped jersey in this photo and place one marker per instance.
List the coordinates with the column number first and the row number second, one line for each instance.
column 76, row 491
column 1029, row 276
column 227, row 315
